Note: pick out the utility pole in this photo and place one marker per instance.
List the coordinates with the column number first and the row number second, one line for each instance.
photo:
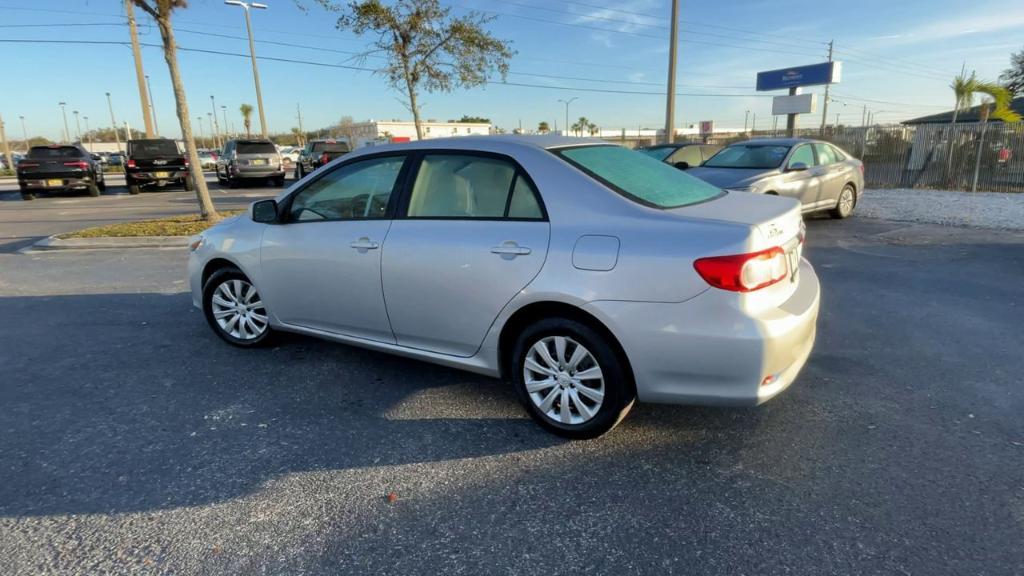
column 746, row 119
column 670, row 101
column 24, row 132
column 252, row 54
column 567, row 102
column 824, row 105
column 140, row 77
column 113, row 123
column 216, row 125
column 7, row 149
column 837, row 119
column 63, row 112
column 127, row 132
column 88, row 133
column 302, row 133
column 791, row 118
column 753, row 123
column 864, row 116
column 152, row 108
column 78, row 126
column 224, row 112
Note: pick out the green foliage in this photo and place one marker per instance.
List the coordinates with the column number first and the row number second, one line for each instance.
column 543, row 127
column 246, row 110
column 1013, row 77
column 966, row 87
column 472, row 119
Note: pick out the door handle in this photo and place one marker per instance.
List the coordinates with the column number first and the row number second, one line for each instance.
column 364, row 244
column 510, row 249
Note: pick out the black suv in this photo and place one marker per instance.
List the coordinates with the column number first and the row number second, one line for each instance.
column 157, row 161
column 317, row 153
column 59, row 167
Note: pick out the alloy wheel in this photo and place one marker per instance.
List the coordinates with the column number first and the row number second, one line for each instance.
column 563, row 380
column 238, row 309
column 846, row 201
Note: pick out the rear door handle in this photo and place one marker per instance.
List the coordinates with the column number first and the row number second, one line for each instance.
column 364, row 244
column 510, row 249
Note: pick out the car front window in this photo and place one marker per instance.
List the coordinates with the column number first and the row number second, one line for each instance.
column 753, row 156
column 639, row 177
column 360, row 190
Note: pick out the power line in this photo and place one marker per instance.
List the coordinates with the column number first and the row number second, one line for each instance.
column 887, row 102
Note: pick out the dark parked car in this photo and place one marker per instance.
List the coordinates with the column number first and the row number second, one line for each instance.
column 249, row 159
column 59, row 167
column 317, row 153
column 682, row 155
column 156, row 162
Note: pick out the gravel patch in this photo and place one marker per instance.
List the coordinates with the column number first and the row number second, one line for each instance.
column 994, row 210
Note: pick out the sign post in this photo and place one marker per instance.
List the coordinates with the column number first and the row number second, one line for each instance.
column 793, row 79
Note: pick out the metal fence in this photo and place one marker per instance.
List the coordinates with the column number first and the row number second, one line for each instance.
column 985, row 157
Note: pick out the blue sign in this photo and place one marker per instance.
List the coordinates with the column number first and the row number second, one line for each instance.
column 812, row 75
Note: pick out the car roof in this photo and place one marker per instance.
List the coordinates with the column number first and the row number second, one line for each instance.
column 778, row 141
column 501, row 143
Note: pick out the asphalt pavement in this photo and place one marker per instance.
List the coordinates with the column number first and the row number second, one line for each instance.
column 132, row 440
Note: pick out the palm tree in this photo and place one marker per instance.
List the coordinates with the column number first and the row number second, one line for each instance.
column 543, row 127
column 161, row 11
column 246, row 110
column 580, row 126
column 964, row 89
column 592, row 128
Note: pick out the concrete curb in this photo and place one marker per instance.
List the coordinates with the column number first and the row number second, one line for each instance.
column 55, row 243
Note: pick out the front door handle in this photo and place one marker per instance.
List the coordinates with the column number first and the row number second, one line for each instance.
column 364, row 244
column 510, row 249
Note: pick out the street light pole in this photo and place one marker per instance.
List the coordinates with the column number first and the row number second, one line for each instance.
column 24, row 132
column 113, row 122
column 200, row 118
column 224, row 112
column 78, row 126
column 670, row 101
column 87, row 131
column 152, row 108
column 63, row 112
column 216, row 125
column 567, row 102
column 252, row 54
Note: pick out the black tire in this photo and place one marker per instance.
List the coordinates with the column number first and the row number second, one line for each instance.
column 102, row 184
column 186, row 182
column 297, row 177
column 232, row 183
column 279, row 182
column 619, row 391
column 26, row 195
column 212, row 284
column 93, row 189
column 845, row 204
column 133, row 188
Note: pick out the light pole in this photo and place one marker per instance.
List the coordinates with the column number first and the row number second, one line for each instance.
column 252, row 53
column 216, row 125
column 78, row 126
column 567, row 102
column 200, row 118
column 24, row 132
column 209, row 118
column 63, row 112
column 152, row 109
column 224, row 112
column 670, row 102
column 746, row 119
column 87, row 134
column 113, row 123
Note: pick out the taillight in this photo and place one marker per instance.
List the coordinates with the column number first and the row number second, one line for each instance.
column 25, row 164
column 131, row 163
column 186, row 162
column 80, row 164
column 324, row 159
column 743, row 272
column 861, row 168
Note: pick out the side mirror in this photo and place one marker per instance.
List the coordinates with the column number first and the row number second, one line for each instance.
column 682, row 165
column 796, row 167
column 265, row 212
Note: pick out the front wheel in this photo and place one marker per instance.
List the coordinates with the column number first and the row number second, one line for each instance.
column 571, row 379
column 845, row 203
column 234, row 309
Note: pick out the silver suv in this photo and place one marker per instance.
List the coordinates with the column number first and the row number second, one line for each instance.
column 249, row 159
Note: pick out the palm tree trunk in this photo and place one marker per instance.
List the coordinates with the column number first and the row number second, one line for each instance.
column 948, row 176
column 206, row 208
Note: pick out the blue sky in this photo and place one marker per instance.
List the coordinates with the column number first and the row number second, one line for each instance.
column 899, row 57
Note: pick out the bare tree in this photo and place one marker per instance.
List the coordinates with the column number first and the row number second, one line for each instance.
column 425, row 48
column 347, row 128
column 161, row 11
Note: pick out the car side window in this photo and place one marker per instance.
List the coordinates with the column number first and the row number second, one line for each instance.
column 839, row 156
column 466, row 186
column 689, row 154
column 825, row 154
column 356, row 191
column 709, row 151
column 803, row 154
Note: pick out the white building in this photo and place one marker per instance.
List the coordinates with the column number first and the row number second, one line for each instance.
column 377, row 132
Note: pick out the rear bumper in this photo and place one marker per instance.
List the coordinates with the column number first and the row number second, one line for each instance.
column 66, row 183
column 710, row 351
column 157, row 176
column 256, row 171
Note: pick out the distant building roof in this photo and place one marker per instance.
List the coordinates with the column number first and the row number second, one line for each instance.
column 965, row 116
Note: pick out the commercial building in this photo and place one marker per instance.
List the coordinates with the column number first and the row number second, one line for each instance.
column 377, row 132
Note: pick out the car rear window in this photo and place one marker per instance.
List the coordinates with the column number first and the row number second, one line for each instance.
column 256, row 148
column 639, row 177
column 54, row 152
column 153, row 148
column 658, row 153
column 330, row 147
column 755, row 156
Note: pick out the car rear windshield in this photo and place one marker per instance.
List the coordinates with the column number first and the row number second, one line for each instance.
column 153, row 148
column 330, row 147
column 256, row 148
column 54, row 152
column 639, row 177
column 749, row 156
column 659, row 153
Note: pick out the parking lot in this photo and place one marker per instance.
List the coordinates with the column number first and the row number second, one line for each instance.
column 132, row 440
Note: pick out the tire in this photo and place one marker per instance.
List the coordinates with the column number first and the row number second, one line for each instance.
column 232, row 183
column 94, row 189
column 297, row 177
column 26, row 195
column 226, row 285
column 102, row 184
column 279, row 182
column 187, row 183
column 845, row 204
column 133, row 188
column 300, row 172
column 614, row 386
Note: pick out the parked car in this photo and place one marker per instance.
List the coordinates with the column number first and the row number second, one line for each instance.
column 249, row 159
column 588, row 275
column 818, row 174
column 683, row 155
column 59, row 167
column 290, row 154
column 116, row 159
column 155, row 162
column 318, row 153
column 207, row 160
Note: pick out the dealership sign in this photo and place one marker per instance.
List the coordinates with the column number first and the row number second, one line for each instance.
column 812, row 75
column 796, row 104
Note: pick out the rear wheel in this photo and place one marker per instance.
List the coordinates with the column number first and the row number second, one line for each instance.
column 133, row 187
column 93, row 188
column 187, row 183
column 102, row 184
column 26, row 195
column 845, row 204
column 570, row 378
column 234, row 309
column 232, row 183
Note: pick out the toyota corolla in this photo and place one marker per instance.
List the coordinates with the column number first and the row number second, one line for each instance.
column 586, row 275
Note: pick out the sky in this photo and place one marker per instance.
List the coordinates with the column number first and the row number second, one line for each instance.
column 612, row 56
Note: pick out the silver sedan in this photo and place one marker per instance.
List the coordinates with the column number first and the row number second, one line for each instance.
column 818, row 174
column 587, row 275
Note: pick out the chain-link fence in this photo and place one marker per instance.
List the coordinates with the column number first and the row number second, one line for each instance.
column 937, row 156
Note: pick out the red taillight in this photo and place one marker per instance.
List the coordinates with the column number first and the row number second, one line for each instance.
column 131, row 164
column 25, row 164
column 80, row 164
column 743, row 272
column 324, row 159
column 186, row 162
